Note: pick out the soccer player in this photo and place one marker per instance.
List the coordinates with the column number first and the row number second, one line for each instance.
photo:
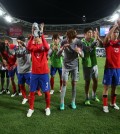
column 89, row 63
column 38, row 90
column 39, row 48
column 9, row 60
column 4, row 78
column 70, row 46
column 56, row 61
column 23, row 66
column 112, row 67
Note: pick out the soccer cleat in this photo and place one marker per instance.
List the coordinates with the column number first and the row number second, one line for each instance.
column 24, row 101
column 30, row 112
column 2, row 91
column 47, row 111
column 20, row 94
column 51, row 91
column 7, row 91
column 73, row 105
column 62, row 106
column 14, row 94
column 105, row 109
column 87, row 102
column 114, row 106
column 96, row 99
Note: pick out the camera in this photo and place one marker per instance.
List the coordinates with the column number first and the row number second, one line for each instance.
column 36, row 30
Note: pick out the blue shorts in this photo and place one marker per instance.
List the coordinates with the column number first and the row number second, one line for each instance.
column 111, row 77
column 24, row 78
column 39, row 81
column 11, row 73
column 53, row 71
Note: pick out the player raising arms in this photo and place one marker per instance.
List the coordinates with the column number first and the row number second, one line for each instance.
column 39, row 48
column 112, row 66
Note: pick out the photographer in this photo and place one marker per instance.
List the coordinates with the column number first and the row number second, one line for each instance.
column 39, row 48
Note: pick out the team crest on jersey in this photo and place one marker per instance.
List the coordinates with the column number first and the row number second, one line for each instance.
column 11, row 52
column 116, row 50
column 37, row 55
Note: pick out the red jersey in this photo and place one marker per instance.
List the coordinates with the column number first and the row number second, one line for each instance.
column 39, row 53
column 9, row 56
column 112, row 54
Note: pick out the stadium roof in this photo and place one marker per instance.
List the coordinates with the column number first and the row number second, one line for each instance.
column 60, row 27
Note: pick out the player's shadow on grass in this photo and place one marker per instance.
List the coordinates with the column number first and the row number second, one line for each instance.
column 12, row 105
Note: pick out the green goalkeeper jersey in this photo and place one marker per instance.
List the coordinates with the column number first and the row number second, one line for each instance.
column 56, row 61
column 89, row 59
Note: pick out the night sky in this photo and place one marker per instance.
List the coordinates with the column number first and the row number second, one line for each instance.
column 60, row 11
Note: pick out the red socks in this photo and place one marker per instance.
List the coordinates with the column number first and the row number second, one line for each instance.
column 23, row 90
column 113, row 99
column 47, row 99
column 105, row 100
column 52, row 83
column 31, row 100
column 13, row 85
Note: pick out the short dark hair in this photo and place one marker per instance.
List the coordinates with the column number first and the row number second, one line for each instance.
column 71, row 33
column 55, row 36
column 21, row 37
column 87, row 29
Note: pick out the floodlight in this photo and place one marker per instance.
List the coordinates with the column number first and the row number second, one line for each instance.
column 114, row 17
column 8, row 18
column 118, row 10
column 1, row 12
